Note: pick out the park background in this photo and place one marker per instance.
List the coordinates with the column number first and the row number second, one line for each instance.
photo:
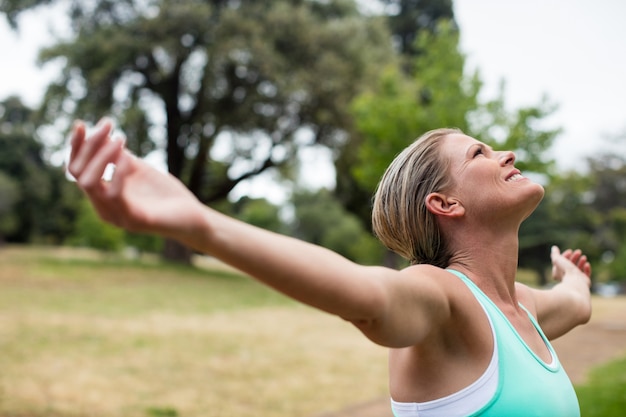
column 283, row 114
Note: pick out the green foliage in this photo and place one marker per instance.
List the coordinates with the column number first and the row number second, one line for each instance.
column 94, row 233
column 603, row 395
column 581, row 210
column 12, row 8
column 144, row 243
column 9, row 195
column 238, row 77
column 606, row 199
column 320, row 219
column 409, row 17
column 564, row 219
column 522, row 130
column 588, row 212
column 440, row 94
column 259, row 212
column 617, row 266
column 399, row 108
column 44, row 203
column 608, row 177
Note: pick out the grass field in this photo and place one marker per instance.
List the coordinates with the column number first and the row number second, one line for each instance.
column 87, row 335
column 605, row 393
column 83, row 334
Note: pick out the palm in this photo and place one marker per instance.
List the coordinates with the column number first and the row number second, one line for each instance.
column 143, row 199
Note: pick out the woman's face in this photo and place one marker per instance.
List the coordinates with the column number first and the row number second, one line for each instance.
column 486, row 181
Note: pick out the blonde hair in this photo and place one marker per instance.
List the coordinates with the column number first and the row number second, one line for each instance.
column 400, row 218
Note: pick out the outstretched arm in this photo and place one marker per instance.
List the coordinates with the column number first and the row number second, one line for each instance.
column 142, row 199
column 568, row 303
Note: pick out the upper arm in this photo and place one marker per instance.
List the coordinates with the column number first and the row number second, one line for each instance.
column 412, row 303
column 559, row 309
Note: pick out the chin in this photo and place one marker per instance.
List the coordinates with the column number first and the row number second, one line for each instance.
column 534, row 198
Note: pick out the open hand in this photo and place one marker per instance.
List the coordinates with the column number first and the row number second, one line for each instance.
column 570, row 262
column 137, row 197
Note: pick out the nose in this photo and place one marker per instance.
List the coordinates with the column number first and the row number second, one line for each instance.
column 507, row 158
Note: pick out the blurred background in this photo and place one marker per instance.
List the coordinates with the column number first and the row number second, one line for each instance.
column 278, row 112
column 285, row 114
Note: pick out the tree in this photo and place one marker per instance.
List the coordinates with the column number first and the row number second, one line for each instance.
column 440, row 94
column 400, row 108
column 9, row 195
column 259, row 212
column 606, row 197
column 92, row 232
column 522, row 130
column 231, row 87
column 407, row 18
column 44, row 203
column 564, row 218
column 320, row 219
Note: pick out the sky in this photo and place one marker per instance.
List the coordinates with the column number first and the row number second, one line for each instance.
column 572, row 51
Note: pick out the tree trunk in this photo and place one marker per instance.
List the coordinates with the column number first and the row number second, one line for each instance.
column 176, row 252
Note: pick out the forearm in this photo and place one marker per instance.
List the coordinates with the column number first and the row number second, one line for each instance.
column 308, row 273
column 141, row 199
column 563, row 307
column 577, row 292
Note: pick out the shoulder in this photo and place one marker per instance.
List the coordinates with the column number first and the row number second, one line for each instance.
column 526, row 297
column 456, row 293
column 419, row 303
column 438, row 279
column 429, row 272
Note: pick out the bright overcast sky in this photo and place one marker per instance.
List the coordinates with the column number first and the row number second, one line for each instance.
column 571, row 50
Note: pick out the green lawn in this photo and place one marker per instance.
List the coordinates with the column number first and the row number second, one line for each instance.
column 605, row 393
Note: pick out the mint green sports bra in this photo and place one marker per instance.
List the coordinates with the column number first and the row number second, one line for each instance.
column 526, row 385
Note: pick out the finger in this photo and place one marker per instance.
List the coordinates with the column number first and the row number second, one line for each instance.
column 89, row 147
column 562, row 263
column 91, row 175
column 555, row 253
column 77, row 139
column 575, row 256
column 124, row 166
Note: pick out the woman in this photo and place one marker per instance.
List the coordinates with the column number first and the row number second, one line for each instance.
column 464, row 337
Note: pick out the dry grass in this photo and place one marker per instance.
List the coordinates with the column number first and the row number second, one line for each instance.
column 86, row 336
column 82, row 334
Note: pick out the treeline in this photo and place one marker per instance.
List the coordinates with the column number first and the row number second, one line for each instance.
column 230, row 90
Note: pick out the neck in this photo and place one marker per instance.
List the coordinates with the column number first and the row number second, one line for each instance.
column 489, row 259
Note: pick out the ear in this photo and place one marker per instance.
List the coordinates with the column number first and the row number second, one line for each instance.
column 441, row 205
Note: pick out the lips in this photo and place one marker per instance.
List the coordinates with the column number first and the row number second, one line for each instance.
column 514, row 176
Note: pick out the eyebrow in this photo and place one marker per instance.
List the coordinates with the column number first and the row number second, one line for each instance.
column 480, row 145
